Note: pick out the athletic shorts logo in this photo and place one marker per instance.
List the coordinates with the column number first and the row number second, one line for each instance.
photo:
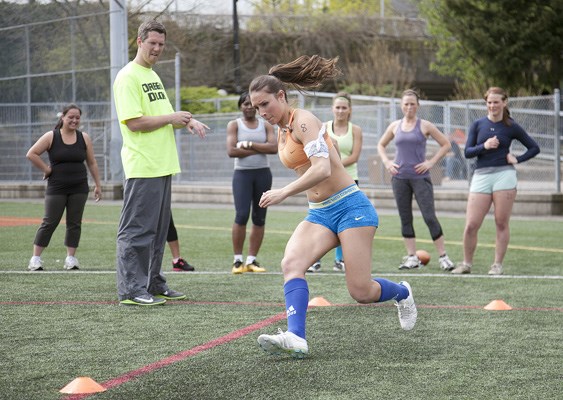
column 359, row 218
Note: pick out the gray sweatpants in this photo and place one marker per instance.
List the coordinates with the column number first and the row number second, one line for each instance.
column 423, row 191
column 141, row 236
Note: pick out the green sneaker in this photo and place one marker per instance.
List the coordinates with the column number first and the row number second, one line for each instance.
column 144, row 300
column 171, row 295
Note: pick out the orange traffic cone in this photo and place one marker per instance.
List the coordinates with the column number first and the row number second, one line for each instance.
column 319, row 302
column 497, row 305
column 83, row 384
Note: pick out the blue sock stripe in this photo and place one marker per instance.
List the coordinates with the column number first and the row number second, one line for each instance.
column 338, row 254
column 296, row 292
column 391, row 290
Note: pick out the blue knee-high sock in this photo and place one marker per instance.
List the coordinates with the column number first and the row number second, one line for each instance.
column 296, row 292
column 391, row 290
column 338, row 254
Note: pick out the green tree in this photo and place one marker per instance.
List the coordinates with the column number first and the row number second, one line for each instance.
column 516, row 44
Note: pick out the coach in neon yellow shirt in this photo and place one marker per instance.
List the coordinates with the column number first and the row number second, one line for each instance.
column 150, row 158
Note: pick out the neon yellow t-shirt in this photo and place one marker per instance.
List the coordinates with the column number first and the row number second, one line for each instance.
column 139, row 91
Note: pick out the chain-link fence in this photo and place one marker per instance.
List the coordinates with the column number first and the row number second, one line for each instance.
column 35, row 86
column 206, row 162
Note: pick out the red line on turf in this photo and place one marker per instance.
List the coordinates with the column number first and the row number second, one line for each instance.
column 184, row 354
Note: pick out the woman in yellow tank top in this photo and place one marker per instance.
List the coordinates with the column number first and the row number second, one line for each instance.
column 339, row 213
column 349, row 138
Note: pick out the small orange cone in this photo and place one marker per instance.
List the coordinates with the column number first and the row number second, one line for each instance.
column 83, row 384
column 319, row 302
column 497, row 305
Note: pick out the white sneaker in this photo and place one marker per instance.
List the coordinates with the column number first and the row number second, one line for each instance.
column 71, row 263
column 35, row 264
column 496, row 269
column 410, row 262
column 315, row 267
column 407, row 309
column 284, row 342
column 445, row 263
column 462, row 268
column 339, row 266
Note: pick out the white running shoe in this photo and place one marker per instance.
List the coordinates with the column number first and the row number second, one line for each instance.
column 496, row 269
column 35, row 264
column 462, row 268
column 445, row 263
column 410, row 262
column 339, row 266
column 284, row 342
column 316, row 267
column 407, row 309
column 71, row 263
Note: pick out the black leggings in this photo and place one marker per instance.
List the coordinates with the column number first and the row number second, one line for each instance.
column 55, row 205
column 423, row 191
column 248, row 186
column 172, row 232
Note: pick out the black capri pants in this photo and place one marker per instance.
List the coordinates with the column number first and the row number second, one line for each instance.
column 248, row 186
column 55, row 205
column 423, row 191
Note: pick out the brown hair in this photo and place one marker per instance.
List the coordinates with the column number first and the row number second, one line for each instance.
column 65, row 110
column 411, row 92
column 150, row 26
column 505, row 112
column 305, row 72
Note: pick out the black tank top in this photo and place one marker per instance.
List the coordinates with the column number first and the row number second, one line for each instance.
column 68, row 174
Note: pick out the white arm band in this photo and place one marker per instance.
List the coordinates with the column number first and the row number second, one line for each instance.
column 319, row 147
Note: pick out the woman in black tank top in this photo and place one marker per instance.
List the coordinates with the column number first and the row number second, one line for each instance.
column 67, row 183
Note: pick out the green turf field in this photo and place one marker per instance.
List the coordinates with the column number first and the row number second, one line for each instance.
column 59, row 325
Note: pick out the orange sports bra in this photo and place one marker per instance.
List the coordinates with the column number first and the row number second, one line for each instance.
column 291, row 153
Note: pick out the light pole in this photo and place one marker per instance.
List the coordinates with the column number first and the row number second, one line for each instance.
column 236, row 49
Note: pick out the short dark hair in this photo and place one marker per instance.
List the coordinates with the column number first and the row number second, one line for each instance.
column 242, row 98
column 150, row 26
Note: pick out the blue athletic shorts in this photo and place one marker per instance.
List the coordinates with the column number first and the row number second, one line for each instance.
column 494, row 181
column 349, row 208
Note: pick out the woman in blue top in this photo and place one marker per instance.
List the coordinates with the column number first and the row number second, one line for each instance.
column 494, row 180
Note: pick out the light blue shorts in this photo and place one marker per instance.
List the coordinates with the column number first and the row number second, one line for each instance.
column 349, row 208
column 494, row 181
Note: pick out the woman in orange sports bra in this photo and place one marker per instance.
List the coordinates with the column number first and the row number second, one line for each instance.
column 339, row 213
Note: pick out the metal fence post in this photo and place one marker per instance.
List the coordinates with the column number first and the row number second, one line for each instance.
column 557, row 137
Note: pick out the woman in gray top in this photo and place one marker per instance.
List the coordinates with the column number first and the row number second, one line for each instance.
column 410, row 171
column 249, row 139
